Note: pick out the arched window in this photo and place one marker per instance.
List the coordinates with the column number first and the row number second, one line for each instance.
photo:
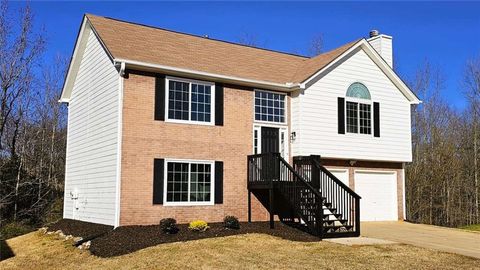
column 359, row 109
column 358, row 90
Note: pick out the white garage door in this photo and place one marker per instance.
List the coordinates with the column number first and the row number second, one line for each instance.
column 341, row 174
column 379, row 195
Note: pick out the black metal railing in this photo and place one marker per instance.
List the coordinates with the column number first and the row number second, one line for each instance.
column 271, row 170
column 339, row 198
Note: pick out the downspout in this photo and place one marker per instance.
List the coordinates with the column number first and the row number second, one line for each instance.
column 404, row 193
column 121, row 73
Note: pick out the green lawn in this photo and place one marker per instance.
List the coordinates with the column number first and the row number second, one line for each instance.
column 474, row 227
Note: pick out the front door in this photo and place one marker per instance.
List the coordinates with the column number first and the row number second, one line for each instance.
column 270, row 140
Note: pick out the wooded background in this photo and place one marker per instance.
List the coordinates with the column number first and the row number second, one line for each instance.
column 442, row 185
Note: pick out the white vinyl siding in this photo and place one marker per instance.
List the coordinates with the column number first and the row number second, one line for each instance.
column 92, row 139
column 316, row 123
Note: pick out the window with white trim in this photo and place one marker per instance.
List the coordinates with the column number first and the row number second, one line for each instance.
column 358, row 109
column 190, row 101
column 269, row 107
column 189, row 182
column 256, row 140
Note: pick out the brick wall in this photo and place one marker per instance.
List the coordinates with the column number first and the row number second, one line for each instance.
column 145, row 139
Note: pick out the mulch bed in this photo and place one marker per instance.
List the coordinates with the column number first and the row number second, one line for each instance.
column 128, row 239
column 80, row 228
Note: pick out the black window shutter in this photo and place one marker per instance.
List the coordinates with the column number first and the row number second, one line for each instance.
column 219, row 104
column 376, row 119
column 158, row 170
column 341, row 115
column 218, row 182
column 160, row 97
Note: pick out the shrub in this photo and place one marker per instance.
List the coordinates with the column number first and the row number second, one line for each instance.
column 169, row 225
column 198, row 226
column 54, row 213
column 231, row 222
column 14, row 229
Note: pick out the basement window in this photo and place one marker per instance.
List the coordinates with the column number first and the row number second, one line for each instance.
column 189, row 182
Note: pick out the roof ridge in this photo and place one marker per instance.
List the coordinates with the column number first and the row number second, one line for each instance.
column 197, row 36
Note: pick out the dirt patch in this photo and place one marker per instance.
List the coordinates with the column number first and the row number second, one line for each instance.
column 80, row 228
column 128, row 239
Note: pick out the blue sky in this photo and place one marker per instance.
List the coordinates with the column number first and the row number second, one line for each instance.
column 447, row 34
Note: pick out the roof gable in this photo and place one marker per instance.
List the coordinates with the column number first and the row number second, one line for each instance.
column 376, row 59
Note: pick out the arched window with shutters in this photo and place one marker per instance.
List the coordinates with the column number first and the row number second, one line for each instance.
column 358, row 107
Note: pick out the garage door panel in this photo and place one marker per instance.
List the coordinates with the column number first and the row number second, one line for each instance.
column 379, row 195
column 341, row 174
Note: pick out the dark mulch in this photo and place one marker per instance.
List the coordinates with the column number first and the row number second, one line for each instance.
column 83, row 229
column 128, row 239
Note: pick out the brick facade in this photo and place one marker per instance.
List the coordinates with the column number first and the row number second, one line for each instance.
column 145, row 139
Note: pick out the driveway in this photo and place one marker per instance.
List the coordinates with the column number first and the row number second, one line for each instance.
column 433, row 237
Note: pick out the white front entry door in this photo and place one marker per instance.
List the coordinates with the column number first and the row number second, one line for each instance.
column 379, row 195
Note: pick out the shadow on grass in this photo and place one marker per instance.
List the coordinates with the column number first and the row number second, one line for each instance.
column 5, row 251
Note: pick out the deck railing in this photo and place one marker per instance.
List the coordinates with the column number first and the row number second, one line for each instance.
column 340, row 197
column 272, row 171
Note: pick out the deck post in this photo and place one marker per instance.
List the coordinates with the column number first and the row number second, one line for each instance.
column 270, row 191
column 249, row 206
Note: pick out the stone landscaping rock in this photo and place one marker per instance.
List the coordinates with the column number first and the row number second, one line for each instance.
column 77, row 239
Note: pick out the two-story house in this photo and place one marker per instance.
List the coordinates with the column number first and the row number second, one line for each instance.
column 167, row 124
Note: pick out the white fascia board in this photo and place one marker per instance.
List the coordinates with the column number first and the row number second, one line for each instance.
column 375, row 56
column 378, row 60
column 74, row 65
column 138, row 65
column 75, row 61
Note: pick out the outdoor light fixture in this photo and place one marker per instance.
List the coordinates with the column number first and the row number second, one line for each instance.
column 293, row 136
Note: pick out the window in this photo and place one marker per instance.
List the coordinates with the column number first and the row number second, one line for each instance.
column 365, row 119
column 358, row 108
column 190, row 101
column 256, row 140
column 269, row 107
column 189, row 183
column 352, row 117
column 283, row 144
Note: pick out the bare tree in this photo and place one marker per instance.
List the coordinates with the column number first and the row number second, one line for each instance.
column 472, row 92
column 249, row 39
column 20, row 46
column 316, row 45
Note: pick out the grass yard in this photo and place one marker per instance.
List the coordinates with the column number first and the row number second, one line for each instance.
column 249, row 251
column 474, row 227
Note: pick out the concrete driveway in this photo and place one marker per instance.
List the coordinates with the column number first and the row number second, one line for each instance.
column 433, row 237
